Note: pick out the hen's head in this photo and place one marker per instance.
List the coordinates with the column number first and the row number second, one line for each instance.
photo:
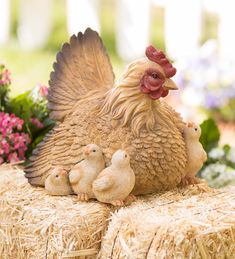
column 134, row 100
column 156, row 80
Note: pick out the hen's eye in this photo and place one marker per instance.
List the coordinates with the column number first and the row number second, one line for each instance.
column 154, row 75
column 125, row 155
column 94, row 150
column 195, row 129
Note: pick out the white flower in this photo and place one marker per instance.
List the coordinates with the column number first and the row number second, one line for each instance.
column 231, row 155
column 219, row 175
column 216, row 153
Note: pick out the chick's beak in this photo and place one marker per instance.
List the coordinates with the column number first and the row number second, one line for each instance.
column 87, row 151
column 169, row 84
column 64, row 173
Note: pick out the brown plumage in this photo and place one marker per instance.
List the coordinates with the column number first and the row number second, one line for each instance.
column 90, row 108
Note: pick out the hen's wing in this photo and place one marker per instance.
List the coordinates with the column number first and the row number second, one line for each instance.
column 56, row 149
column 81, row 66
column 103, row 183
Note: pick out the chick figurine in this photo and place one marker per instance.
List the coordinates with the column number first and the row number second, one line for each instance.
column 84, row 173
column 57, row 183
column 114, row 184
column 196, row 154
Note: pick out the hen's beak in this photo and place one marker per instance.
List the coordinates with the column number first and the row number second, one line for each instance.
column 170, row 85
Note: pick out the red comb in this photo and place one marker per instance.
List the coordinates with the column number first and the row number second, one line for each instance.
column 159, row 57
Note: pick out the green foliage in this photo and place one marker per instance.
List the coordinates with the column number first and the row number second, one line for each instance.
column 210, row 134
column 21, row 106
column 4, row 87
column 26, row 107
column 4, row 99
column 219, row 169
column 31, row 107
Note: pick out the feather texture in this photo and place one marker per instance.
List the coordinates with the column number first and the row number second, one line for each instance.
column 81, row 66
column 121, row 117
column 158, row 157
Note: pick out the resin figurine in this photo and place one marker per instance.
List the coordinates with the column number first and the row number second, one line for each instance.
column 115, row 183
column 89, row 106
column 196, row 155
column 84, row 173
column 57, row 183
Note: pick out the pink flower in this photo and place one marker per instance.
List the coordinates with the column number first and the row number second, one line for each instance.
column 21, row 153
column 5, row 77
column 43, row 90
column 36, row 122
column 2, row 82
column 19, row 124
column 13, row 144
column 13, row 157
column 26, row 138
column 5, row 146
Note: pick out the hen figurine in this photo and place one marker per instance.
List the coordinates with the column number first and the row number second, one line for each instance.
column 196, row 154
column 84, row 173
column 114, row 183
column 89, row 107
column 57, row 183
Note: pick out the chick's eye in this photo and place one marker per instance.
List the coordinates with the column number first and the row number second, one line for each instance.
column 57, row 176
column 154, row 75
column 94, row 150
column 125, row 155
column 195, row 129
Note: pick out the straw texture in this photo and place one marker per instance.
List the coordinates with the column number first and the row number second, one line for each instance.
column 193, row 222
column 196, row 222
column 36, row 225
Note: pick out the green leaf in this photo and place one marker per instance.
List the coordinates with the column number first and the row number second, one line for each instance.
column 210, row 134
column 226, row 149
column 48, row 123
column 21, row 106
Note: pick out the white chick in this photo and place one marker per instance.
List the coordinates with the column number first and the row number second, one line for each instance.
column 57, row 183
column 84, row 173
column 196, row 155
column 114, row 183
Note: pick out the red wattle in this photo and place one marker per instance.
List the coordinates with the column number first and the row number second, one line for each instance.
column 156, row 94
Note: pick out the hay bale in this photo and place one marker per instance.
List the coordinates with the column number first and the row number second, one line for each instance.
column 193, row 222
column 196, row 222
column 36, row 225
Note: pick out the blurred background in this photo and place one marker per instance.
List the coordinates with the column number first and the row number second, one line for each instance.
column 197, row 36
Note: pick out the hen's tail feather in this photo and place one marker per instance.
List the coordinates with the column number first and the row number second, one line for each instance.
column 81, row 66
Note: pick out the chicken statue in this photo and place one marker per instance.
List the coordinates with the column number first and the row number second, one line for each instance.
column 196, row 155
column 114, row 184
column 85, row 172
column 90, row 107
column 57, row 182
